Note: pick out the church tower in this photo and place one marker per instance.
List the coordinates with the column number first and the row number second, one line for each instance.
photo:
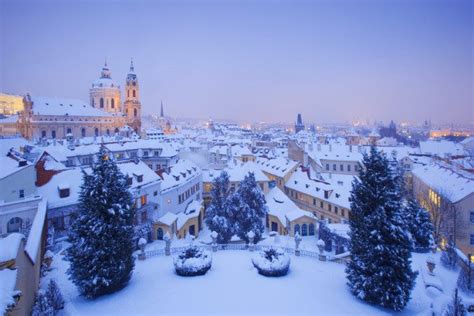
column 132, row 106
column 105, row 93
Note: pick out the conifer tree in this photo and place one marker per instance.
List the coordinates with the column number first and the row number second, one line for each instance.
column 218, row 217
column 419, row 224
column 249, row 209
column 101, row 234
column 42, row 306
column 380, row 268
column 54, row 295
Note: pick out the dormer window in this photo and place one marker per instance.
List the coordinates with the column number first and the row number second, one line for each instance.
column 64, row 190
column 129, row 180
column 140, row 178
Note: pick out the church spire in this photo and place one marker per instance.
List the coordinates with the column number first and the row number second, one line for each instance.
column 162, row 113
column 132, row 68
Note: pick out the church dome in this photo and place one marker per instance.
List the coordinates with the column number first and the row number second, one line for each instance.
column 105, row 80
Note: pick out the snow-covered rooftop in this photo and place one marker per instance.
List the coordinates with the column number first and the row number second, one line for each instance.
column 441, row 148
column 180, row 173
column 10, row 166
column 280, row 205
column 9, row 246
column 450, row 182
column 279, row 166
column 168, row 219
column 7, row 288
column 57, row 106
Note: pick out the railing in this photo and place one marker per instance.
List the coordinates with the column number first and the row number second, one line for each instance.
column 223, row 247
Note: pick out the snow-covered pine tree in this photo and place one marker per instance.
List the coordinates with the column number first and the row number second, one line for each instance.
column 249, row 209
column 449, row 257
column 54, row 295
column 101, row 234
column 218, row 217
column 466, row 282
column 42, row 306
column 380, row 268
column 419, row 224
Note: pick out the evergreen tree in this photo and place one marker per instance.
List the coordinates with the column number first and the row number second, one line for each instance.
column 380, row 268
column 249, row 209
column 218, row 217
column 449, row 257
column 42, row 306
column 466, row 282
column 419, row 224
column 101, row 234
column 54, row 296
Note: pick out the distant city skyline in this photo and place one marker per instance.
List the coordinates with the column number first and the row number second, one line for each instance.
column 339, row 61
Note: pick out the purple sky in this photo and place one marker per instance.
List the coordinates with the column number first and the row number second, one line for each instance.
column 247, row 60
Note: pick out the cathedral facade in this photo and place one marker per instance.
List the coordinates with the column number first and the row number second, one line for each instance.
column 105, row 114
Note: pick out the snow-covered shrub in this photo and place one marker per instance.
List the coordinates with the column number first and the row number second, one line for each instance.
column 463, row 281
column 42, row 306
column 455, row 307
column 449, row 257
column 192, row 261
column 54, row 296
column 272, row 262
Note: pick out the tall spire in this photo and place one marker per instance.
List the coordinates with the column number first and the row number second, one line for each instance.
column 132, row 69
column 105, row 70
column 162, row 113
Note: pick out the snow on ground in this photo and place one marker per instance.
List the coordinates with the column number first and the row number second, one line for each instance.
column 233, row 286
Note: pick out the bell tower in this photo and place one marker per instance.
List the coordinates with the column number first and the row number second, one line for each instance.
column 132, row 105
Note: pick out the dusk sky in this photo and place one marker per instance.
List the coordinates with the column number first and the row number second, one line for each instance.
column 248, row 60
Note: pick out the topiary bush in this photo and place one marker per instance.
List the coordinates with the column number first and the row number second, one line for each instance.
column 272, row 262
column 192, row 261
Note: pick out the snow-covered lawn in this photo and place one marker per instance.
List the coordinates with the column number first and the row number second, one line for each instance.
column 233, row 286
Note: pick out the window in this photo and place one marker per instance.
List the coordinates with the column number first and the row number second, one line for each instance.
column 155, row 193
column 321, row 204
column 108, row 132
column 112, row 103
column 327, row 167
column 304, row 230
column 140, row 178
column 53, row 134
column 134, row 93
column 356, row 167
column 96, row 131
column 43, row 134
column 143, row 200
column 334, row 167
column 329, row 207
column 336, row 209
column 343, row 212
column 68, row 131
column 128, row 93
column 471, row 216
column 64, row 193
column 349, row 168
column 135, row 112
column 14, row 225
column 261, row 186
column 472, row 239
column 341, row 167
column 21, row 193
column 93, row 103
column 83, row 132
column 145, row 153
column 101, row 102
column 311, row 229
column 297, row 229
column 314, row 201
column 129, row 181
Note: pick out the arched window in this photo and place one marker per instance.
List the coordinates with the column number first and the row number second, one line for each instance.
column 112, row 103
column 304, row 230
column 53, row 134
column 96, row 131
column 43, row 134
column 134, row 94
column 159, row 234
column 68, row 131
column 128, row 93
column 108, row 132
column 83, row 132
column 92, row 102
column 311, row 229
column 14, row 225
column 116, row 130
column 297, row 229
column 135, row 112
column 101, row 102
